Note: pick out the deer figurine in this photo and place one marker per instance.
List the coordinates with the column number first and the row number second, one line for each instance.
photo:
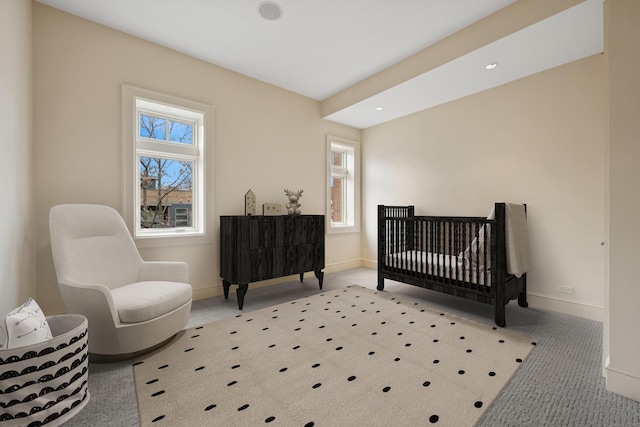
column 293, row 207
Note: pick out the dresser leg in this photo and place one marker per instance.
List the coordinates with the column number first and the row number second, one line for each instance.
column 241, row 291
column 225, row 287
column 301, row 277
column 320, row 275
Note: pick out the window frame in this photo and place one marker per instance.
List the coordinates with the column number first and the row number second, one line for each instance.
column 137, row 101
column 350, row 171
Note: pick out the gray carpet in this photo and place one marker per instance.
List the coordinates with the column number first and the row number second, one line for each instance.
column 560, row 384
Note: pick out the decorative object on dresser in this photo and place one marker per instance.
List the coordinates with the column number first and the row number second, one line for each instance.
column 476, row 258
column 254, row 248
column 293, row 207
column 271, row 209
column 250, row 203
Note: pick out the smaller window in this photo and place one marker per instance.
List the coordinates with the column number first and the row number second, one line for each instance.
column 343, row 189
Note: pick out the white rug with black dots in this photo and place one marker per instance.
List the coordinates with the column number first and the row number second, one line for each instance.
column 348, row 357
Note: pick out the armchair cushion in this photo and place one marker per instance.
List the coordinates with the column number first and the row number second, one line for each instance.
column 142, row 301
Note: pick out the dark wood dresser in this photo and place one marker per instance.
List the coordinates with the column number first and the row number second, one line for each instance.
column 254, row 248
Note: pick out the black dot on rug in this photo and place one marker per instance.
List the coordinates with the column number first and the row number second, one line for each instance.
column 137, row 363
column 397, row 359
column 210, row 407
column 501, row 341
column 310, row 424
column 386, row 389
column 469, row 350
column 316, row 365
column 478, row 404
column 371, row 353
column 232, row 383
column 200, row 327
column 265, row 329
column 436, row 361
column 351, row 378
column 158, row 393
column 297, row 329
column 399, row 333
column 461, row 372
column 270, row 419
column 235, row 366
column 235, row 348
column 461, row 338
column 283, row 370
column 436, row 340
column 199, row 368
column 338, row 348
column 492, row 374
column 156, row 419
column 152, row 381
column 189, row 349
column 296, row 347
column 195, row 336
column 316, row 385
column 519, row 360
column 243, row 407
column 426, row 383
column 233, row 332
column 272, row 345
column 163, row 367
column 433, row 326
column 434, row 419
column 408, row 344
column 329, row 339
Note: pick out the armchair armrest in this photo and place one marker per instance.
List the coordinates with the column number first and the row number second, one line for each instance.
column 94, row 301
column 170, row 271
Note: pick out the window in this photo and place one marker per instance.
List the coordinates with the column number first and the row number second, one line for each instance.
column 343, row 187
column 164, row 145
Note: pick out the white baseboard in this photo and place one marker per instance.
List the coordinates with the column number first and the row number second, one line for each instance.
column 546, row 302
column 217, row 289
column 580, row 309
column 624, row 383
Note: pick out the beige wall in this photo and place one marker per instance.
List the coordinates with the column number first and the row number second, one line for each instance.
column 621, row 339
column 539, row 140
column 266, row 138
column 17, row 254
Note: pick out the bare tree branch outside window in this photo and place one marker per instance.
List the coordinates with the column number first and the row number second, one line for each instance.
column 164, row 181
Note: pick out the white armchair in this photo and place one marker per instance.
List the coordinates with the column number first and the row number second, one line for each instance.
column 132, row 306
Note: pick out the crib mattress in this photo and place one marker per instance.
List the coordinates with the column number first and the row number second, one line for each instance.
column 441, row 265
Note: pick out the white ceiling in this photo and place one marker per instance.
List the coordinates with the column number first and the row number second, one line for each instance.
column 319, row 48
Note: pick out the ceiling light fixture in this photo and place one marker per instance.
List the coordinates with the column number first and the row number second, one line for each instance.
column 491, row 66
column 380, row 108
column 270, row 10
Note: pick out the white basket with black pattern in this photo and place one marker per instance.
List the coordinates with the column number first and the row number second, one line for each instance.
column 46, row 383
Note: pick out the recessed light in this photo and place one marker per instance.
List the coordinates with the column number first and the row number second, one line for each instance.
column 491, row 66
column 270, row 10
column 380, row 108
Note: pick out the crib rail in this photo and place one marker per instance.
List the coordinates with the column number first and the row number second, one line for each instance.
column 454, row 251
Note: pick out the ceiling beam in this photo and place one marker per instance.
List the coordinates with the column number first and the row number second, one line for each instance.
column 508, row 20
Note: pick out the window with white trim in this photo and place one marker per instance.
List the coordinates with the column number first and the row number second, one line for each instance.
column 164, row 145
column 343, row 186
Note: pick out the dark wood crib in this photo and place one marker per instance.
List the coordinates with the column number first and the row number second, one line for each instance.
column 462, row 256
